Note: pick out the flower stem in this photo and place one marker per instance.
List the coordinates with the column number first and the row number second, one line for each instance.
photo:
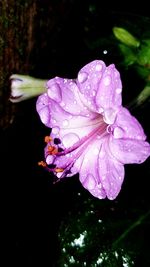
column 130, row 228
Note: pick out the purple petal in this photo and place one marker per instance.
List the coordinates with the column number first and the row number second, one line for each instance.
column 88, row 81
column 131, row 127
column 100, row 173
column 66, row 93
column 110, row 88
column 129, row 151
column 111, row 172
column 87, row 166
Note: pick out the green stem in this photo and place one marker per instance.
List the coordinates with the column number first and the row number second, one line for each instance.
column 128, row 230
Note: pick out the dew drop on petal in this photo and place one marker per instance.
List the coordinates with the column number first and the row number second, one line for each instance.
column 55, row 130
column 62, row 104
column 70, row 139
column 98, row 67
column 82, row 77
column 54, row 92
column 65, row 123
column 53, row 121
column 118, row 90
column 107, row 80
column 109, row 116
column 96, row 151
column 44, row 115
column 118, row 132
column 89, row 182
column 100, row 110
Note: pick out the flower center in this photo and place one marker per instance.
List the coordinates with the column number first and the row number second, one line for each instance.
column 60, row 160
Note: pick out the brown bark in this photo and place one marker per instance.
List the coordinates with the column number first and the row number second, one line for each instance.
column 17, row 22
column 29, row 31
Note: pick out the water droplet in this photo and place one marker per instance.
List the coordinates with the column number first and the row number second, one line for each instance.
column 55, row 130
column 93, row 93
column 105, row 52
column 82, row 77
column 98, row 67
column 109, row 116
column 89, row 182
column 62, row 104
column 99, row 185
column 107, row 80
column 53, row 121
column 100, row 110
column 96, row 151
column 118, row 132
column 65, row 123
column 65, row 80
column 44, row 115
column 70, row 139
column 118, row 90
column 54, row 92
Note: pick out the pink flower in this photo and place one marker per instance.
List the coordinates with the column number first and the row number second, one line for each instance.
column 92, row 133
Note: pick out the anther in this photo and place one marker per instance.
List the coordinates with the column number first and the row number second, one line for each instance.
column 52, row 150
column 57, row 170
column 48, row 139
column 42, row 163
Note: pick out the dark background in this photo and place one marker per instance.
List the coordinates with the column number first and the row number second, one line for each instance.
column 45, row 39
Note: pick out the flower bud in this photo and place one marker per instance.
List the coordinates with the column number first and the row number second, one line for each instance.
column 24, row 87
column 125, row 37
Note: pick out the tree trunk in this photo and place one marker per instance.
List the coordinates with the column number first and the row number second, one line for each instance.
column 17, row 24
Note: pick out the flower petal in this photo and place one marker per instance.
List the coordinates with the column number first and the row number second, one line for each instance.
column 87, row 166
column 66, row 93
column 88, row 80
column 129, row 151
column 110, row 87
column 52, row 114
column 111, row 172
column 131, row 127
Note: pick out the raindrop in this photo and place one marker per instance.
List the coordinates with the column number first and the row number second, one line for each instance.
column 54, row 92
column 118, row 90
column 98, row 67
column 89, row 182
column 100, row 110
column 53, row 120
column 44, row 115
column 65, row 123
column 62, row 104
column 118, row 132
column 65, row 80
column 107, row 80
column 70, row 139
column 96, row 151
column 55, row 130
column 82, row 77
column 105, row 52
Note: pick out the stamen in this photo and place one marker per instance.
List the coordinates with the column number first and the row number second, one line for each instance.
column 57, row 141
column 101, row 130
column 48, row 139
column 42, row 163
column 57, row 170
column 52, row 150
